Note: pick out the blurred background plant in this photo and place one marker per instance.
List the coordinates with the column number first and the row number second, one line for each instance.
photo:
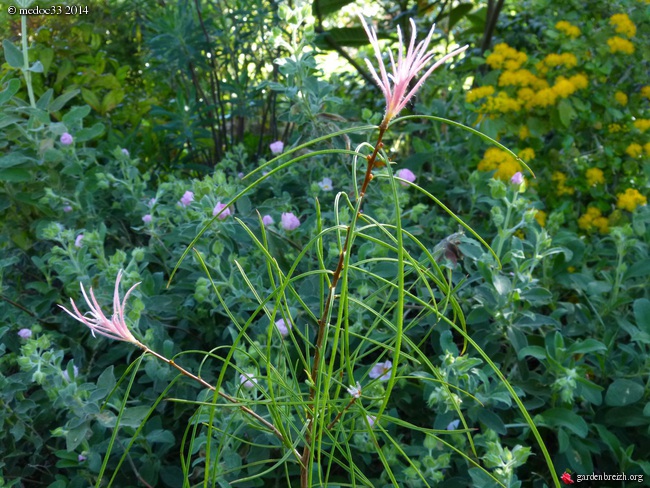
column 145, row 117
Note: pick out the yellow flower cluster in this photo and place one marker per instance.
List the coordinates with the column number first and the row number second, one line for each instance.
column 502, row 103
column 523, row 78
column 646, row 148
column 506, row 57
column 561, row 188
column 593, row 219
column 634, row 150
column 614, row 128
column 540, row 217
column 621, row 98
column 618, row 44
column 569, row 29
column 524, row 132
column 527, row 154
column 645, row 91
column 553, row 60
column 630, row 200
column 642, row 124
column 501, row 161
column 595, row 176
column 478, row 93
column 623, row 25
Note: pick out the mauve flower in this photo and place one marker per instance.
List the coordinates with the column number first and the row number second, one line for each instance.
column 81, row 458
column 152, row 202
column 371, row 420
column 381, row 371
column 289, row 221
column 326, row 184
column 67, row 208
column 240, row 175
column 66, row 139
column 147, row 218
column 453, row 425
column 405, row 174
column 282, row 327
column 25, row 333
column 77, row 241
column 218, row 208
column 115, row 328
column 517, row 179
column 267, row 220
column 277, row 147
column 395, row 85
column 75, row 371
column 125, row 152
column 355, row 391
column 187, row 198
column 247, row 381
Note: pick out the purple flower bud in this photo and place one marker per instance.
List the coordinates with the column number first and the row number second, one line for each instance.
column 67, row 208
column 81, row 458
column 405, row 174
column 147, row 219
column 517, row 178
column 248, row 381
column 282, row 327
column 77, row 241
column 289, row 221
column 218, row 208
column 25, row 333
column 66, row 139
column 277, row 147
column 187, row 198
column 267, row 220
column 125, row 152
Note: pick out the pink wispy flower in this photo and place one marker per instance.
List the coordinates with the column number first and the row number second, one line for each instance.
column 115, row 328
column 395, row 85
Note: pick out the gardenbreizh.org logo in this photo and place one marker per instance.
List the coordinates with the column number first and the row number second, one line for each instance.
column 569, row 478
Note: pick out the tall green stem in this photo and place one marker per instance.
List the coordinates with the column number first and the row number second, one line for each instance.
column 26, row 72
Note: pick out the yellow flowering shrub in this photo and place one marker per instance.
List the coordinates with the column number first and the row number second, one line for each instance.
column 527, row 154
column 593, row 219
column 621, row 98
column 501, row 161
column 619, row 45
column 568, row 29
column 623, row 25
column 524, row 132
column 561, row 188
column 634, row 150
column 645, row 92
column 502, row 103
column 595, row 176
column 479, row 92
column 614, row 128
column 630, row 200
column 642, row 124
column 507, row 57
column 540, row 217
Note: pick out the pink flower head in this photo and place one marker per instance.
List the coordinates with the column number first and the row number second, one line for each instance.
column 395, row 85
column 218, row 208
column 290, row 221
column 66, row 139
column 78, row 240
column 115, row 328
column 267, row 220
column 67, row 208
column 248, row 381
column 381, row 371
column 187, row 198
column 25, row 333
column 405, row 174
column 276, row 147
column 282, row 327
column 147, row 218
column 517, row 179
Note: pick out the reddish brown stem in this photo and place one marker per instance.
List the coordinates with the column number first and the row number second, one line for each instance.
column 372, row 158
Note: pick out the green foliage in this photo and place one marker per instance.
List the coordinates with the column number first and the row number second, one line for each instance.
column 474, row 363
